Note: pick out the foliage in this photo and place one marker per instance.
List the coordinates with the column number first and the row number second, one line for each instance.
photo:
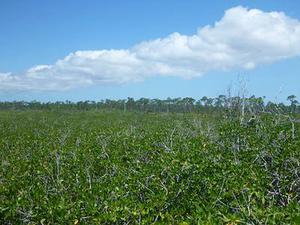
column 218, row 104
column 115, row 167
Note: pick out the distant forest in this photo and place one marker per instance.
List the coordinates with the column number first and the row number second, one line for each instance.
column 251, row 105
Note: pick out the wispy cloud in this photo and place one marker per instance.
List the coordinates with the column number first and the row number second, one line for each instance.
column 242, row 39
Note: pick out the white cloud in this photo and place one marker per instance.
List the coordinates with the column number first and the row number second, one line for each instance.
column 242, row 39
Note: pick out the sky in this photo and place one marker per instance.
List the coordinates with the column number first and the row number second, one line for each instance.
column 94, row 49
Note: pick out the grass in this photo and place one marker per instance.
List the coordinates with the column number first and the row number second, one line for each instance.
column 110, row 167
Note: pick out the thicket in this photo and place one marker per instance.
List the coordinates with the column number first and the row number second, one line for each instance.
column 236, row 166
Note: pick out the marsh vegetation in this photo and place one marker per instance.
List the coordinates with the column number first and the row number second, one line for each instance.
column 110, row 166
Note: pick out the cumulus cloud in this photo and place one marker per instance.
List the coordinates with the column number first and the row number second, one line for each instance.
column 242, row 39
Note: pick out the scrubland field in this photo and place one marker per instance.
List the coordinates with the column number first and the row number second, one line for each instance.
column 114, row 167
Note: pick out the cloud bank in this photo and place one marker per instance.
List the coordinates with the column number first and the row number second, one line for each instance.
column 242, row 39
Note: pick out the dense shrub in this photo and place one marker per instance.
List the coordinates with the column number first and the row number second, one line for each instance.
column 134, row 168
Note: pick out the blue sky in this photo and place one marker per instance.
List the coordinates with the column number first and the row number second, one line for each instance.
column 42, row 32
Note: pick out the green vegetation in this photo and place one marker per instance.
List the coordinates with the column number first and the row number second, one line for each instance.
column 205, row 104
column 115, row 167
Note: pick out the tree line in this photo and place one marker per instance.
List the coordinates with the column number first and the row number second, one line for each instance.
column 251, row 104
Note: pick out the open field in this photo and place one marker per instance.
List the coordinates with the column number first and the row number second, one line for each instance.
column 113, row 167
